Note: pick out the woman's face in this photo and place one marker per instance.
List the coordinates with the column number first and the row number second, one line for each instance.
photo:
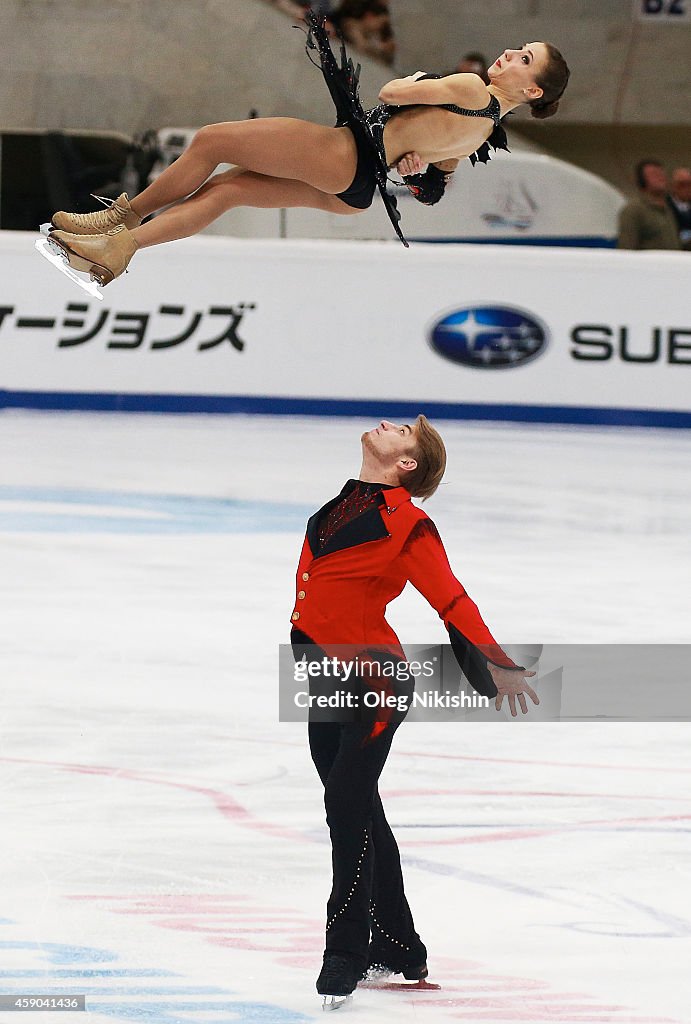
column 515, row 70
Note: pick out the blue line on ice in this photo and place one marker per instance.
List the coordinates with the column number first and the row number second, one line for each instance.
column 57, row 510
column 218, row 1005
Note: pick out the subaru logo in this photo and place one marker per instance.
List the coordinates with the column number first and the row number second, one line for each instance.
column 490, row 337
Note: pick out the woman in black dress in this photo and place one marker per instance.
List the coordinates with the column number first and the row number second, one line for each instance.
column 285, row 162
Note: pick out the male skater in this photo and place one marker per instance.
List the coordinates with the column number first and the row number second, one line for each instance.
column 360, row 550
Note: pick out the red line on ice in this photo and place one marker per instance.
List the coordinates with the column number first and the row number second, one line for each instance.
column 225, row 804
column 549, row 764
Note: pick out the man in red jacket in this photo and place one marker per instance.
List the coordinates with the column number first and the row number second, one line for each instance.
column 360, row 550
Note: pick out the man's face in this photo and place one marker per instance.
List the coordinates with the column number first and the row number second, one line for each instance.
column 374, row 22
column 389, row 442
column 655, row 178
column 681, row 185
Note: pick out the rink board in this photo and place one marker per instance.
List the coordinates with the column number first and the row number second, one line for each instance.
column 459, row 331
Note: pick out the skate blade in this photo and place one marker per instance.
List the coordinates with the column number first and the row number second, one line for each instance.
column 335, row 1002
column 58, row 258
column 400, row 986
column 412, row 986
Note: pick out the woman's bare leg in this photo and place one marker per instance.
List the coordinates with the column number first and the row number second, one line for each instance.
column 226, row 191
column 281, row 147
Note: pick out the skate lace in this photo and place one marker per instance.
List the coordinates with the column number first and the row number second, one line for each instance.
column 103, row 219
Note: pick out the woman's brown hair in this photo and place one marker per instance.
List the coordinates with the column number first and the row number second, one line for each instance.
column 553, row 81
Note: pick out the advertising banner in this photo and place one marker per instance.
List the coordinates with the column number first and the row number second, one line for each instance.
column 308, row 326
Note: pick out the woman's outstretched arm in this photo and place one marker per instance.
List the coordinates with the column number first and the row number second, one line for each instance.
column 466, row 90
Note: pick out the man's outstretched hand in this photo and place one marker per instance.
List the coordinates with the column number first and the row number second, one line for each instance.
column 512, row 683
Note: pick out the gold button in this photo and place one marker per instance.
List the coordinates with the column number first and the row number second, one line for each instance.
column 305, row 576
column 301, row 595
column 295, row 616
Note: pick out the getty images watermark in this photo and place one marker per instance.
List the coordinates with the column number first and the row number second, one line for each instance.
column 573, row 682
column 361, row 682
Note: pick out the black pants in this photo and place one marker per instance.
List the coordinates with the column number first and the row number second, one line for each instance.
column 367, row 894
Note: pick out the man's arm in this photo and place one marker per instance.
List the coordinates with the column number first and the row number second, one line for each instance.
column 489, row 669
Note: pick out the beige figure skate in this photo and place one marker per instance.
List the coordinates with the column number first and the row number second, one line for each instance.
column 117, row 212
column 103, row 257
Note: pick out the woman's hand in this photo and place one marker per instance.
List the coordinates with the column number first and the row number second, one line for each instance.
column 410, row 163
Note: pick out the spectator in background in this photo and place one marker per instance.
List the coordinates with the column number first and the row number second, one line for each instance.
column 367, row 26
column 297, row 9
column 474, row 63
column 647, row 221
column 680, row 203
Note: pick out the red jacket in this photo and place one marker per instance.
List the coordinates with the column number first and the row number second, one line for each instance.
column 343, row 590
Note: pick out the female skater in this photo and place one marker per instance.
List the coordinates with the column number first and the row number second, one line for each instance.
column 285, row 162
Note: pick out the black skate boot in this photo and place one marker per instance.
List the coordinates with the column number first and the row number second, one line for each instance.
column 337, row 980
column 382, row 963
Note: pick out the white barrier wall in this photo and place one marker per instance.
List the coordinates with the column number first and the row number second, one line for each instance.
column 362, row 327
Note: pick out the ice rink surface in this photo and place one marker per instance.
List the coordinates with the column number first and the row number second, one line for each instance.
column 163, row 846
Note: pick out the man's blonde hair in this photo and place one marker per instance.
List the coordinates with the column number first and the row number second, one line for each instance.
column 430, row 453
